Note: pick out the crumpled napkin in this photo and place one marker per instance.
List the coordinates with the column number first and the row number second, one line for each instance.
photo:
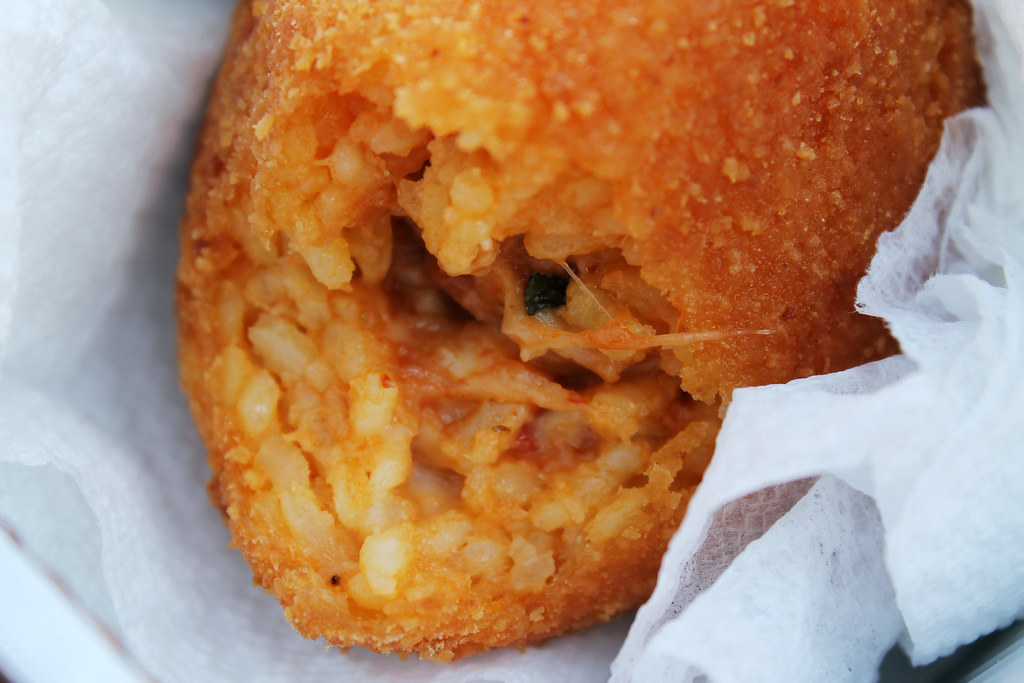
column 840, row 513
column 922, row 538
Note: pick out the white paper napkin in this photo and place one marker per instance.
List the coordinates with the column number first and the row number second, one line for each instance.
column 915, row 531
column 935, row 437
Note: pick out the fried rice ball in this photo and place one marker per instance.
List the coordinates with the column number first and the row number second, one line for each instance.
column 464, row 287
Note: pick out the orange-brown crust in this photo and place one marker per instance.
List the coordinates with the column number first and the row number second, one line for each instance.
column 709, row 169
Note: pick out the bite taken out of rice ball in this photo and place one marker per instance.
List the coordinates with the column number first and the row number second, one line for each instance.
column 465, row 287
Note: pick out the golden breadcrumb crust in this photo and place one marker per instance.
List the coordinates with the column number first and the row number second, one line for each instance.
column 415, row 450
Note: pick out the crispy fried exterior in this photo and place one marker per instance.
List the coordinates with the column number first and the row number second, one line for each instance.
column 408, row 460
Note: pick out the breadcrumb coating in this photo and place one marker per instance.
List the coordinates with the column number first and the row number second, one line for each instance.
column 465, row 287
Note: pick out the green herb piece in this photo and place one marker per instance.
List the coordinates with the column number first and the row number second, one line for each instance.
column 544, row 291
